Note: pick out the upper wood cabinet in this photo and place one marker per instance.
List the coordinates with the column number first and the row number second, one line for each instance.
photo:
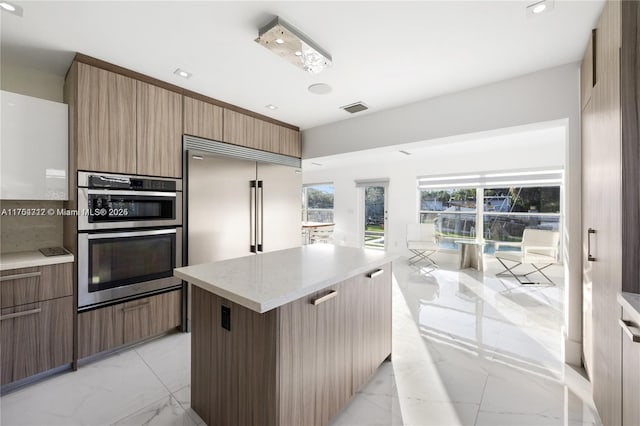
column 121, row 125
column 106, row 120
column 159, row 131
column 290, row 142
column 202, row 119
column 241, row 129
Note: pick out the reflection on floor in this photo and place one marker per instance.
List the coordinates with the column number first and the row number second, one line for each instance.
column 467, row 349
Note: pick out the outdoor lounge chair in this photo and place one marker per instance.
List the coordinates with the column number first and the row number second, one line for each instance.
column 539, row 249
column 422, row 242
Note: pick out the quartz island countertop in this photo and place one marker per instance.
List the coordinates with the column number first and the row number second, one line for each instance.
column 269, row 280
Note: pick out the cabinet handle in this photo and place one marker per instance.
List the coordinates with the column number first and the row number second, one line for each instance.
column 19, row 276
column 590, row 258
column 630, row 334
column 20, row 314
column 375, row 273
column 324, row 298
column 133, row 308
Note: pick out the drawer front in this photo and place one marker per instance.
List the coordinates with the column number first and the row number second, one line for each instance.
column 30, row 285
column 35, row 338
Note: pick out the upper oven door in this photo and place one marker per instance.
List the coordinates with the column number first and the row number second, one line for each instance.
column 111, row 209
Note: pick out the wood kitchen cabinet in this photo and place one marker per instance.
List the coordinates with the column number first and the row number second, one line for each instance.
column 120, row 125
column 631, row 371
column 297, row 364
column 244, row 130
column 159, row 131
column 106, row 120
column 610, row 198
column 36, row 320
column 334, row 330
column 202, row 119
column 107, row 328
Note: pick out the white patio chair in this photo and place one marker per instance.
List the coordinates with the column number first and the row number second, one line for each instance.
column 539, row 249
column 422, row 242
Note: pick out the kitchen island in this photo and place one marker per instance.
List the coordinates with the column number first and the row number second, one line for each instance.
column 287, row 337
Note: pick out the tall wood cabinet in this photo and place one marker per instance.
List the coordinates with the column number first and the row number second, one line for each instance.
column 611, row 231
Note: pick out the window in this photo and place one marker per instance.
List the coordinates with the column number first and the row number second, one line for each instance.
column 493, row 207
column 452, row 210
column 509, row 210
column 317, row 203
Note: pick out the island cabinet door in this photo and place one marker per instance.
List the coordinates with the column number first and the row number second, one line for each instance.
column 369, row 298
column 297, row 361
column 333, row 351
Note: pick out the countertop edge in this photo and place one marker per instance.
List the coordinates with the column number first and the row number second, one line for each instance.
column 288, row 298
column 630, row 302
column 33, row 259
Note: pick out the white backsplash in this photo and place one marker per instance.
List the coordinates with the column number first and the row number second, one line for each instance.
column 24, row 233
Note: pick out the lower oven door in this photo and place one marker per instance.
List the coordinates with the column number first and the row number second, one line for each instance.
column 123, row 264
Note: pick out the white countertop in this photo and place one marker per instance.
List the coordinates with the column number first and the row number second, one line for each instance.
column 630, row 302
column 28, row 259
column 268, row 280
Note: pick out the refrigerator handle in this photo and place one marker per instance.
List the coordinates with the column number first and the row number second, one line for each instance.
column 252, row 216
column 260, row 219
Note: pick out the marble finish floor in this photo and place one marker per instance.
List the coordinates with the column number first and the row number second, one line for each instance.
column 468, row 349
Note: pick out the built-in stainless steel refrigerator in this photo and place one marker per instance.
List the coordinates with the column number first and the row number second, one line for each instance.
column 236, row 207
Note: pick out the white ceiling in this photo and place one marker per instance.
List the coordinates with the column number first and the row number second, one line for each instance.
column 385, row 53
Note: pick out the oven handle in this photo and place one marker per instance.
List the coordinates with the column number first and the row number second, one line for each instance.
column 138, row 193
column 127, row 234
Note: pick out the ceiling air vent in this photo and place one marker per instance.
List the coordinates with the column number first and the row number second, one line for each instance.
column 353, row 108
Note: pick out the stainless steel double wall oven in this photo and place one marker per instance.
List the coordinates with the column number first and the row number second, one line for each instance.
column 129, row 236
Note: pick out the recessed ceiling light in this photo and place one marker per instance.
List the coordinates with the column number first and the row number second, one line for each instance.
column 320, row 88
column 182, row 73
column 271, row 107
column 298, row 53
column 279, row 41
column 11, row 8
column 197, row 157
column 539, row 7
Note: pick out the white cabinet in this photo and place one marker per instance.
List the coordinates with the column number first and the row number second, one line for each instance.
column 33, row 148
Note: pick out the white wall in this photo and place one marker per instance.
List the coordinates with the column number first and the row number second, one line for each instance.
column 545, row 96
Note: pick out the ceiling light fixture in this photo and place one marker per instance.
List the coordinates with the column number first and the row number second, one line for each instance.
column 539, row 7
column 271, row 107
column 289, row 43
column 182, row 73
column 11, row 8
